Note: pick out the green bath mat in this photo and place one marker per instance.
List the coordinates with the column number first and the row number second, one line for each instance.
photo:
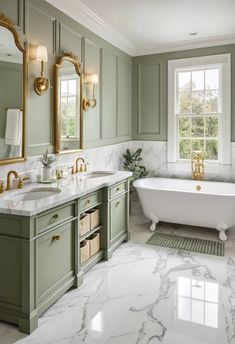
column 186, row 243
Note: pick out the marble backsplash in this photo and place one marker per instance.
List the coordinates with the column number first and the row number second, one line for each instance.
column 110, row 158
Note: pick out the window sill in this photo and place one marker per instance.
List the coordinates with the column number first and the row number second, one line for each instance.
column 211, row 168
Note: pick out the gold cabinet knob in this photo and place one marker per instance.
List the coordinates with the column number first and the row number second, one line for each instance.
column 56, row 237
column 117, row 204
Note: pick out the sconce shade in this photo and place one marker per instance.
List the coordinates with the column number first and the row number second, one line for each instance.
column 92, row 79
column 41, row 53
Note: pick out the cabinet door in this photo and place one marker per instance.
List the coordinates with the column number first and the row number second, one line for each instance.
column 55, row 258
column 118, row 217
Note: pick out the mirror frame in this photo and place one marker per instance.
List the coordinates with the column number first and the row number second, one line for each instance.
column 9, row 25
column 70, row 57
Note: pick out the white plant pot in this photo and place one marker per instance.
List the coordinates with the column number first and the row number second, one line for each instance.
column 46, row 174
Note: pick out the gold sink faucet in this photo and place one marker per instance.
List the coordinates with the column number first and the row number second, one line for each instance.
column 82, row 165
column 8, row 188
column 198, row 170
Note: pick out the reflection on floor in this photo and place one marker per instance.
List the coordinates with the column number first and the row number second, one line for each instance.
column 145, row 295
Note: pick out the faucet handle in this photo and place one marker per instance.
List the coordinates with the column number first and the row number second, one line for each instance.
column 1, row 186
column 72, row 169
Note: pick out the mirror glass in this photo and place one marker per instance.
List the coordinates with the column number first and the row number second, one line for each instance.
column 69, row 106
column 11, row 96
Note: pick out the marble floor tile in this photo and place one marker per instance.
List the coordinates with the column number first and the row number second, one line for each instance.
column 145, row 295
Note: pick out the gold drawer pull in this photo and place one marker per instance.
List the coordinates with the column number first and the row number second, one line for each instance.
column 56, row 237
column 117, row 204
column 88, row 201
column 54, row 217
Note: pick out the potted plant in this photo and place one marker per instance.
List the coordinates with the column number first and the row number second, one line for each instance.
column 47, row 160
column 132, row 164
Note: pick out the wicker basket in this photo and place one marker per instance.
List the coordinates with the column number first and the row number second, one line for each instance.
column 84, row 251
column 94, row 243
column 94, row 218
column 84, row 223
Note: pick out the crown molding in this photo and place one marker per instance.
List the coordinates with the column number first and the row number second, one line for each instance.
column 86, row 17
column 187, row 45
column 82, row 14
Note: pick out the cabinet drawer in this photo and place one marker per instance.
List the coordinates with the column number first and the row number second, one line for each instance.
column 118, row 189
column 55, row 257
column 57, row 216
column 90, row 201
column 118, row 216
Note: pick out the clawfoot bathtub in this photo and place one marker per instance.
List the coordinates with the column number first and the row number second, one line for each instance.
column 189, row 202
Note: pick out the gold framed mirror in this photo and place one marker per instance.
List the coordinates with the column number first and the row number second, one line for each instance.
column 68, row 104
column 13, row 93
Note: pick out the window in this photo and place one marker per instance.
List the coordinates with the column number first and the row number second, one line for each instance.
column 199, row 109
column 69, row 105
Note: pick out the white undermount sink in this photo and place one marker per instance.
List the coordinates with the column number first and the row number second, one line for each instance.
column 99, row 174
column 33, row 194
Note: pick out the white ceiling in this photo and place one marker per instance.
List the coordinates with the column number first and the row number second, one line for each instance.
column 142, row 27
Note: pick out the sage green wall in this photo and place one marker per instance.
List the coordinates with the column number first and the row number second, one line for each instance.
column 110, row 121
column 150, row 90
column 10, row 91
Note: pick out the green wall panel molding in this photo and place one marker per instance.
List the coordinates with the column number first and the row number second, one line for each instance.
column 91, row 58
column 14, row 10
column 39, row 22
column 150, row 99
column 124, row 97
column 109, row 94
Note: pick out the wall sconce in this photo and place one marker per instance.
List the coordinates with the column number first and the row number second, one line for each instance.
column 90, row 79
column 41, row 84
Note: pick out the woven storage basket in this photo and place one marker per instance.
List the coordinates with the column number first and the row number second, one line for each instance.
column 94, row 218
column 84, row 251
column 94, row 243
column 84, row 223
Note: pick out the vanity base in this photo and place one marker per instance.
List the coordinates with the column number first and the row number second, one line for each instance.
column 40, row 254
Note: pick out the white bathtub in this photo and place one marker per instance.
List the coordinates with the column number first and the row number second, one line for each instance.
column 179, row 201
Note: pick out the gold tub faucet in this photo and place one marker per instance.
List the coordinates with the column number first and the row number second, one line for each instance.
column 82, row 165
column 198, row 169
column 15, row 174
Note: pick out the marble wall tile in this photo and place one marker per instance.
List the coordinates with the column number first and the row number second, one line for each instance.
column 110, row 158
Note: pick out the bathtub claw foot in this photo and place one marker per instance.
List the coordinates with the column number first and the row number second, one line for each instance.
column 155, row 221
column 222, row 227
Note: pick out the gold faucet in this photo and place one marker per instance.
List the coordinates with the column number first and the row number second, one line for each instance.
column 8, row 188
column 81, row 169
column 198, row 165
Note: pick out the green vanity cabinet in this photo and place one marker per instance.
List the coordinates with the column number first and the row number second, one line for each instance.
column 55, row 261
column 118, row 215
column 40, row 263
column 40, row 254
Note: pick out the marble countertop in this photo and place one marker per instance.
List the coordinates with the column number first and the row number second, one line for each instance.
column 73, row 187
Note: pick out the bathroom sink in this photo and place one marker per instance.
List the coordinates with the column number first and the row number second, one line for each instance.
column 33, row 194
column 99, row 174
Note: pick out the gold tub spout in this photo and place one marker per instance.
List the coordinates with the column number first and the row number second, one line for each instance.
column 198, row 169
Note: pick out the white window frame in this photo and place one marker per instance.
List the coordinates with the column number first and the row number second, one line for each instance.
column 222, row 61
